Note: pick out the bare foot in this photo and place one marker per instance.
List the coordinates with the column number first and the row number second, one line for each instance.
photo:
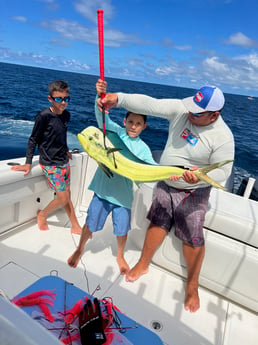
column 136, row 272
column 74, row 259
column 192, row 301
column 123, row 265
column 42, row 223
column 76, row 230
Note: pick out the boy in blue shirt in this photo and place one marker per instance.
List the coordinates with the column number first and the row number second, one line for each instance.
column 114, row 194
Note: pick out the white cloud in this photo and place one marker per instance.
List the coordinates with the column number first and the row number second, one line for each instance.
column 59, row 43
column 214, row 65
column 52, row 5
column 183, row 48
column 135, row 62
column 70, row 30
column 166, row 70
column 88, row 8
column 241, row 40
column 76, row 32
column 167, row 42
column 239, row 73
column 251, row 59
column 20, row 19
column 40, row 60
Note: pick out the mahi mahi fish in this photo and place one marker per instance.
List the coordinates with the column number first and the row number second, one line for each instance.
column 118, row 158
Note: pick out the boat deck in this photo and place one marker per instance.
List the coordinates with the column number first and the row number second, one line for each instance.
column 155, row 300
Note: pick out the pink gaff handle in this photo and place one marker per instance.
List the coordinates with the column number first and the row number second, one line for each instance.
column 101, row 46
column 101, row 65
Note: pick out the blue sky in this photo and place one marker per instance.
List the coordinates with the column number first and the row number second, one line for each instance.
column 186, row 43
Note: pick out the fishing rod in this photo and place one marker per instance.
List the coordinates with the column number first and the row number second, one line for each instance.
column 101, row 65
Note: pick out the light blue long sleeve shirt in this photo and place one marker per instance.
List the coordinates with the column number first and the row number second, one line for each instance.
column 118, row 189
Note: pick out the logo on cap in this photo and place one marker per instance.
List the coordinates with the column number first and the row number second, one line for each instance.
column 198, row 97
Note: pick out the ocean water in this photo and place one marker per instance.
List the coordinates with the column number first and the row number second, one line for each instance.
column 24, row 93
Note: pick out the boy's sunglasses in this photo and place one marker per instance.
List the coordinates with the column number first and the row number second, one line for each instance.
column 60, row 99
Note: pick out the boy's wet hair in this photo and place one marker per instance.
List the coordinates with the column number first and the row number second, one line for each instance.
column 58, row 85
column 130, row 112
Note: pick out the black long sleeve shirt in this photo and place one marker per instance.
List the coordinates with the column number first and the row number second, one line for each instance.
column 50, row 134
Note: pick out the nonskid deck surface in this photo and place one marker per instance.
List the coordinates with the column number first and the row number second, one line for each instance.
column 155, row 300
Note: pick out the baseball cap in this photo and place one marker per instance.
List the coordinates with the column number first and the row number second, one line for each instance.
column 207, row 98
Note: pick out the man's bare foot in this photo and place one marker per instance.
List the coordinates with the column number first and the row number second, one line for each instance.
column 136, row 272
column 123, row 265
column 42, row 223
column 192, row 300
column 74, row 259
column 76, row 230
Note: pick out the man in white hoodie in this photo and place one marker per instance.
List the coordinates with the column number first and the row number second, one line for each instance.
column 198, row 136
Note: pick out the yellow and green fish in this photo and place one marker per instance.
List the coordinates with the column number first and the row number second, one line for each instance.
column 117, row 158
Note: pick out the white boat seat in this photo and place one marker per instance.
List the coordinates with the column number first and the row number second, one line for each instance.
column 233, row 216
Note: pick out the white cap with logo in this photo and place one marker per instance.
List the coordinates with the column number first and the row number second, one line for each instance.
column 208, row 98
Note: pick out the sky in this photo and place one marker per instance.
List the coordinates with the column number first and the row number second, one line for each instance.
column 186, row 43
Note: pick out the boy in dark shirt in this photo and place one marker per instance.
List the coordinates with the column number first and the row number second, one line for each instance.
column 50, row 134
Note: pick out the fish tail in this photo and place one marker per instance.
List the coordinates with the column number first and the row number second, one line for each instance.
column 201, row 173
column 203, row 177
column 211, row 167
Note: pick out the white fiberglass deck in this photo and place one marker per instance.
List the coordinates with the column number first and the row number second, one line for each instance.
column 157, row 297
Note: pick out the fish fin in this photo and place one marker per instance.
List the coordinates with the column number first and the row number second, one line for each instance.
column 208, row 168
column 106, row 170
column 112, row 150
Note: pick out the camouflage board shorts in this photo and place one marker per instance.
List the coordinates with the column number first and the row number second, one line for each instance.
column 185, row 209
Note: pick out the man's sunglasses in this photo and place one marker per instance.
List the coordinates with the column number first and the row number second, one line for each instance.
column 201, row 114
column 60, row 99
